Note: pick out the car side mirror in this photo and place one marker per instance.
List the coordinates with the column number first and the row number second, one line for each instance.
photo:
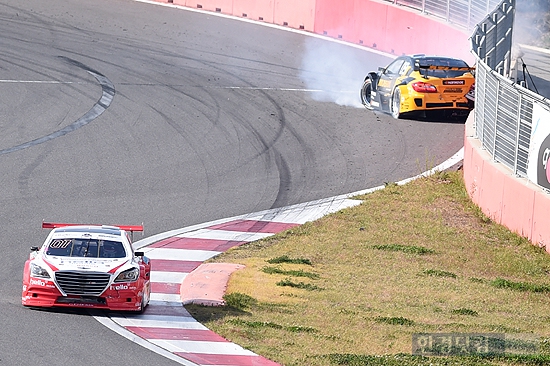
column 34, row 249
column 142, row 256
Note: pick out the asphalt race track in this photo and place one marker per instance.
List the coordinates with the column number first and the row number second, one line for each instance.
column 119, row 112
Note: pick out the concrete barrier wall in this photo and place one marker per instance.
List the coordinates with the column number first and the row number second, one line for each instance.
column 375, row 24
column 514, row 202
column 389, row 28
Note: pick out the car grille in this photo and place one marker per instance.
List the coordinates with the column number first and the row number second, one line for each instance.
column 82, row 283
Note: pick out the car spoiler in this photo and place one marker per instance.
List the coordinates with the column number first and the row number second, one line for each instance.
column 454, row 68
column 130, row 228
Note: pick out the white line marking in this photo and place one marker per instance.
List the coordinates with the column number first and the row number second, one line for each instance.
column 225, row 235
column 180, row 254
column 167, row 277
column 165, row 297
column 211, row 348
column 160, row 321
column 39, row 82
column 270, row 25
column 286, row 89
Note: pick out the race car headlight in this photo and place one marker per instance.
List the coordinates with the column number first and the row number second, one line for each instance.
column 128, row 275
column 37, row 271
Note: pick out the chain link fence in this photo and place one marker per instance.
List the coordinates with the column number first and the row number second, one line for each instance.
column 504, row 109
column 464, row 13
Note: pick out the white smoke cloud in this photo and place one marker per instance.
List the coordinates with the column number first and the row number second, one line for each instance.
column 334, row 72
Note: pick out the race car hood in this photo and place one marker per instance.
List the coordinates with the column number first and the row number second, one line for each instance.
column 84, row 264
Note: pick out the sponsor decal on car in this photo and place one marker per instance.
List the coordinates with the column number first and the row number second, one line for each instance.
column 36, row 282
column 453, row 82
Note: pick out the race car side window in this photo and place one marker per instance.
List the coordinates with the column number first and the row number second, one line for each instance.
column 394, row 67
column 405, row 68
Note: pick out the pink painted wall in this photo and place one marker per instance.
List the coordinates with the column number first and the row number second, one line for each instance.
column 514, row 202
column 256, row 10
column 376, row 24
column 393, row 29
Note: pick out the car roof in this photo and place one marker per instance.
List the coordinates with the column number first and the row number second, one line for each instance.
column 429, row 59
column 433, row 57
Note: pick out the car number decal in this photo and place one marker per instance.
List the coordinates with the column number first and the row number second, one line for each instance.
column 452, row 90
column 60, row 243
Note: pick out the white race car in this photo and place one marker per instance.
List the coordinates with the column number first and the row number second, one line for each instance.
column 89, row 266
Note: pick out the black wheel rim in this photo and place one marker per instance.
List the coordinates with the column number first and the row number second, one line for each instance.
column 366, row 95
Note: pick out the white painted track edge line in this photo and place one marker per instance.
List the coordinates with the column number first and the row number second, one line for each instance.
column 269, row 25
column 456, row 158
column 109, row 323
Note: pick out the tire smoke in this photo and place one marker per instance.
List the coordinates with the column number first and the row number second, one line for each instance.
column 334, row 72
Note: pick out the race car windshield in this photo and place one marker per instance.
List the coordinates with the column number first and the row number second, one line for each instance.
column 442, row 73
column 93, row 248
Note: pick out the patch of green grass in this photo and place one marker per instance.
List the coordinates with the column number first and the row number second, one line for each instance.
column 254, row 324
column 438, row 273
column 464, row 311
column 477, row 280
column 393, row 320
column 268, row 324
column 239, row 300
column 286, row 259
column 295, row 273
column 301, row 285
column 402, row 359
column 519, row 286
column 411, row 249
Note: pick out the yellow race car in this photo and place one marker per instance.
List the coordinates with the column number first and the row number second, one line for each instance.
column 418, row 84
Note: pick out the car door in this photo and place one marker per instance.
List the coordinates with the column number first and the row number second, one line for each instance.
column 387, row 80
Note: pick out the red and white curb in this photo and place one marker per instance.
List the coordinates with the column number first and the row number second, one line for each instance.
column 166, row 327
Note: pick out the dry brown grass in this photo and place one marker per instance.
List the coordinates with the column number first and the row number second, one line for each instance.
column 365, row 290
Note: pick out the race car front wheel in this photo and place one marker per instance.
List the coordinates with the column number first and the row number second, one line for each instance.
column 396, row 104
column 366, row 93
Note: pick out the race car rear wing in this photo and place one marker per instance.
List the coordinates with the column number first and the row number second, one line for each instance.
column 130, row 228
column 452, row 68
column 424, row 69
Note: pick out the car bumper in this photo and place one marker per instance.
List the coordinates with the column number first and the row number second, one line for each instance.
column 48, row 296
column 435, row 101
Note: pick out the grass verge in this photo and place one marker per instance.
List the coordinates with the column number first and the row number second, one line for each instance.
column 353, row 287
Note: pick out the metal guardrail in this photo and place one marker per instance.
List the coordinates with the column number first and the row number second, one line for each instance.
column 504, row 109
column 464, row 13
column 492, row 37
column 503, row 118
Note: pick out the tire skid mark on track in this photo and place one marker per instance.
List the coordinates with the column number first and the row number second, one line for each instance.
column 108, row 93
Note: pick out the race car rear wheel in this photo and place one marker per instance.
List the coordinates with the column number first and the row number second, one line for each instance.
column 396, row 103
column 366, row 93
